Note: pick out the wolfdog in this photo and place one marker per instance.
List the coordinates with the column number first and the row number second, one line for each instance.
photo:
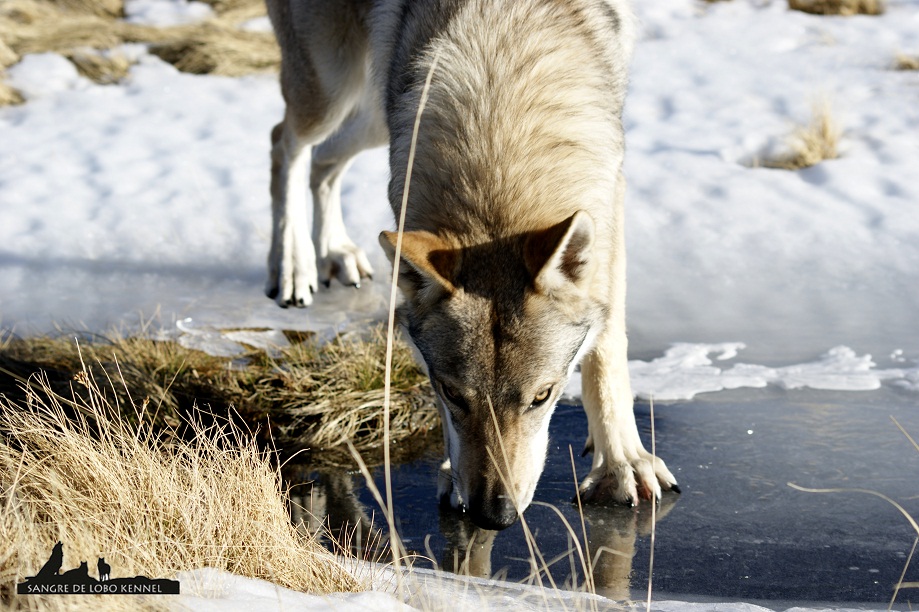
column 513, row 258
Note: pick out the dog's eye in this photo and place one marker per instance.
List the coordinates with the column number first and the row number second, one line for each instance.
column 542, row 396
column 454, row 397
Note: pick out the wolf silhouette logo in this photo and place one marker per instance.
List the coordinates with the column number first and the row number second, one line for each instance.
column 53, row 565
column 50, row 581
column 104, row 569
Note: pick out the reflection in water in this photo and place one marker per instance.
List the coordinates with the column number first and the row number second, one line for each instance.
column 326, row 502
column 611, row 537
column 612, row 534
column 468, row 548
column 740, row 532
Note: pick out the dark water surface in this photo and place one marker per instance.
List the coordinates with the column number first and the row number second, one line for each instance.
column 737, row 532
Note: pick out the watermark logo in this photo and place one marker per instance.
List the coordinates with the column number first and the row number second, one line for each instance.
column 51, row 581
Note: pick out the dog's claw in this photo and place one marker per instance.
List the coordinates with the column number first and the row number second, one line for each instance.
column 628, row 482
column 675, row 488
column 345, row 262
column 588, row 448
column 272, row 293
column 327, row 283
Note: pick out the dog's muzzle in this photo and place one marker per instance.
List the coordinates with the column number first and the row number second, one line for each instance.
column 494, row 513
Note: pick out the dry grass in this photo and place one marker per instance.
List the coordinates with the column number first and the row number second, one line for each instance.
column 838, row 7
column 314, row 398
column 71, row 27
column 902, row 61
column 8, row 95
column 73, row 469
column 8, row 57
column 810, row 144
column 102, row 8
column 237, row 10
column 213, row 47
column 33, row 26
column 104, row 69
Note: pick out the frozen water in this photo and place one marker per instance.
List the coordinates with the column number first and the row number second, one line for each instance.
column 149, row 200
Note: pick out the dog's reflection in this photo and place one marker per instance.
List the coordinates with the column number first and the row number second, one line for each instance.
column 612, row 535
column 468, row 548
column 326, row 502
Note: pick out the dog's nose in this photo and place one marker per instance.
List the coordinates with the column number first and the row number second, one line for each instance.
column 495, row 513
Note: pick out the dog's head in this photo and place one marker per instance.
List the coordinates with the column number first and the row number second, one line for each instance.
column 500, row 327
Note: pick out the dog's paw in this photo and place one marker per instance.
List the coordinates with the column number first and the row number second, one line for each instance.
column 643, row 477
column 292, row 280
column 347, row 263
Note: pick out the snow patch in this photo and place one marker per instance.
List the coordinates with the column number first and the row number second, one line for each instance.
column 39, row 75
column 127, row 199
column 165, row 13
column 257, row 24
column 686, row 370
column 212, row 590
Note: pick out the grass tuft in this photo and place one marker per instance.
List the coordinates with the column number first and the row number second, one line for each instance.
column 313, row 399
column 70, row 27
column 838, row 7
column 902, row 61
column 104, row 69
column 102, row 8
column 74, row 469
column 810, row 144
column 213, row 47
column 8, row 57
column 8, row 95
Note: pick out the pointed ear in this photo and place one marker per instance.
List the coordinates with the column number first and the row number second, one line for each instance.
column 560, row 256
column 428, row 265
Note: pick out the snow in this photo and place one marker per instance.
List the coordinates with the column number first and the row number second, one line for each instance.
column 150, row 200
column 211, row 590
column 127, row 202
column 755, row 253
column 685, row 370
column 147, row 202
column 44, row 74
column 257, row 24
column 165, row 13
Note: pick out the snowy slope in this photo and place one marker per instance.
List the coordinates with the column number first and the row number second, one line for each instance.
column 788, row 262
column 210, row 590
column 150, row 199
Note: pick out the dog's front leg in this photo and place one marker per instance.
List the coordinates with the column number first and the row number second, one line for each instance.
column 622, row 469
column 292, row 258
column 336, row 254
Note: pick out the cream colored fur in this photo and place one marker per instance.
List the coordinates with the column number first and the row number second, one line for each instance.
column 513, row 261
